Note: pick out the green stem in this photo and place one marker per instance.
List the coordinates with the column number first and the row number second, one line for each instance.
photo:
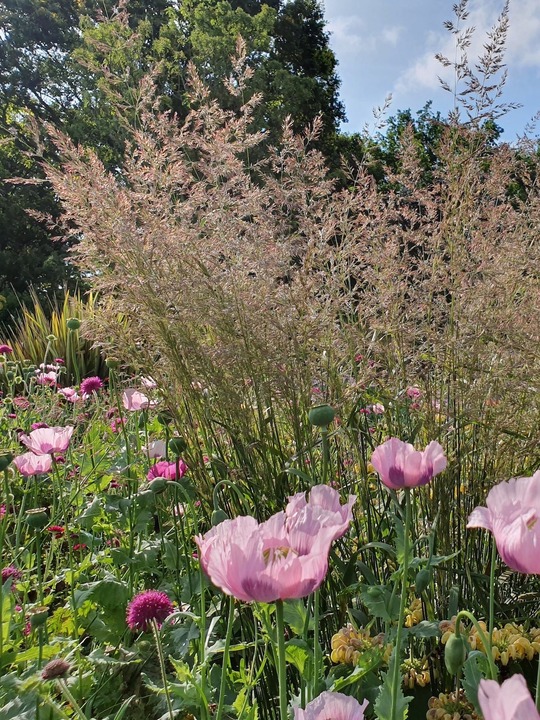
column 483, row 637
column 538, row 687
column 282, row 666
column 223, row 681
column 66, row 692
column 396, row 678
column 491, row 624
column 202, row 644
column 325, row 455
column 161, row 657
column 317, row 652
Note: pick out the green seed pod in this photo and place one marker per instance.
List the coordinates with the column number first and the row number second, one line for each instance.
column 177, row 445
column 218, row 516
column 158, row 485
column 73, row 323
column 321, row 415
column 455, row 653
column 112, row 363
column 5, row 460
column 37, row 518
column 422, row 580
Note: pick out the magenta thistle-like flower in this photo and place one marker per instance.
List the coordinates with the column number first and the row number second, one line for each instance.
column 167, row 470
column 332, row 706
column 147, row 606
column 509, row 701
column 90, row 385
column 401, row 466
column 11, row 572
column 285, row 557
column 39, row 425
column 513, row 516
column 5, row 350
column 48, row 440
column 32, row 464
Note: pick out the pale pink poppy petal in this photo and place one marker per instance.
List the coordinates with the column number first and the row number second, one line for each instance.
column 332, row 706
column 32, row 464
column 48, row 440
column 509, row 701
column 401, row 466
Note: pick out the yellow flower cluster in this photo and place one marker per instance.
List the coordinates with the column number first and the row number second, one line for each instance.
column 349, row 644
column 450, row 707
column 414, row 613
column 511, row 642
column 415, row 672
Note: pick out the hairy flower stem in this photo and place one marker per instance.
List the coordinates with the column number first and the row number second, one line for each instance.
column 317, row 652
column 537, row 697
column 492, row 593
column 161, row 657
column 325, row 455
column 483, row 637
column 396, row 678
column 225, row 663
column 282, row 666
column 66, row 692
column 202, row 644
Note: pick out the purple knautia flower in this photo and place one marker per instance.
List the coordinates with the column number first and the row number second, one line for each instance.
column 332, row 705
column 5, row 350
column 147, row 606
column 11, row 572
column 38, row 425
column 401, row 466
column 91, row 385
column 167, row 470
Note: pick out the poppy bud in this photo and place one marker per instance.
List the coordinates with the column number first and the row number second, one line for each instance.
column 455, row 653
column 321, row 415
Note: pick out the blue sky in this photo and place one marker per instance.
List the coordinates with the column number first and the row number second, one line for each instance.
column 388, row 46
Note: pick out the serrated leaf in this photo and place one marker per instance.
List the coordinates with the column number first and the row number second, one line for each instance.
column 476, row 668
column 383, row 704
column 295, row 614
column 380, row 602
column 300, row 654
column 425, row 629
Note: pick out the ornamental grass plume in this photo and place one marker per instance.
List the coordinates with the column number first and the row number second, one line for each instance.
column 512, row 515
column 401, row 466
column 46, row 441
column 509, row 701
column 284, row 558
column 332, row 706
column 147, row 606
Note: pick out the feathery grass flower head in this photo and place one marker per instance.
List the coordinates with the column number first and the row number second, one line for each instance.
column 167, row 470
column 46, row 441
column 31, row 464
column 512, row 515
column 90, row 385
column 401, row 466
column 285, row 557
column 147, row 606
column 332, row 705
column 509, row 701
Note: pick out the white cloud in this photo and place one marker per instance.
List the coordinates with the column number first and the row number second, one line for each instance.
column 391, row 34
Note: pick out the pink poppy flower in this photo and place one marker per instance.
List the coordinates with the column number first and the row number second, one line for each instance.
column 167, row 470
column 136, row 400
column 332, row 706
column 156, row 449
column 46, row 378
column 48, row 440
column 413, row 392
column 148, row 382
column 70, row 394
column 282, row 558
column 32, row 464
column 512, row 515
column 400, row 465
column 509, row 701
column 327, row 508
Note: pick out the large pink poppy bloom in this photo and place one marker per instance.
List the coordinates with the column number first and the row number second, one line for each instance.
column 509, row 701
column 327, row 508
column 167, row 470
column 31, row 464
column 401, row 466
column 332, row 706
column 513, row 516
column 282, row 558
column 45, row 441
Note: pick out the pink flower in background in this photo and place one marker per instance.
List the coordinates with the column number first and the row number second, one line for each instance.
column 167, row 470
column 149, row 383
column 48, row 440
column 156, row 449
column 332, row 706
column 283, row 558
column 70, row 394
column 90, row 385
column 38, row 425
column 413, row 392
column 11, row 572
column 21, row 402
column 327, row 508
column 512, row 515
column 5, row 350
column 377, row 409
column 32, row 464
column 400, row 465
column 59, row 361
column 136, row 400
column 509, row 701
column 147, row 606
column 46, row 378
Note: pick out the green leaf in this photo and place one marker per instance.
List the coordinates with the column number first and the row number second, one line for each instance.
column 295, row 615
column 383, row 704
column 300, row 654
column 425, row 629
column 476, row 668
column 380, row 602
